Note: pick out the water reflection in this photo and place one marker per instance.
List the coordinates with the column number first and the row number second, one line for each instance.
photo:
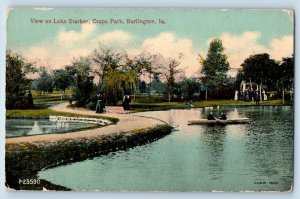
column 269, row 146
column 197, row 157
column 214, row 137
column 26, row 127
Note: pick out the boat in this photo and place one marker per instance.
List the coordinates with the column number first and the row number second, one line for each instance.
column 218, row 121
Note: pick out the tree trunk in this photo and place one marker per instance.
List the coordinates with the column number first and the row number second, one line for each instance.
column 205, row 93
column 282, row 95
column 150, row 85
column 260, row 97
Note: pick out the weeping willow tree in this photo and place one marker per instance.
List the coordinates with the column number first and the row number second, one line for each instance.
column 118, row 83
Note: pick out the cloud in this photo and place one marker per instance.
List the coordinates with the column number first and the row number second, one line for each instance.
column 169, row 46
column 240, row 47
column 73, row 36
column 38, row 54
column 282, row 47
column 115, row 37
column 68, row 45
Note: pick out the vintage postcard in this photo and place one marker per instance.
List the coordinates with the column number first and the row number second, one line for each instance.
column 179, row 100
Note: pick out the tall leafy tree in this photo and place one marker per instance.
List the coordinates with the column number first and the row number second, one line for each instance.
column 190, row 86
column 17, row 82
column 82, row 81
column 62, row 79
column 169, row 74
column 214, row 66
column 106, row 60
column 286, row 79
column 261, row 69
column 148, row 65
column 45, row 81
column 158, row 85
column 117, row 83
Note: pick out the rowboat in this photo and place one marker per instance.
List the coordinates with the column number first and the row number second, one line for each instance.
column 218, row 121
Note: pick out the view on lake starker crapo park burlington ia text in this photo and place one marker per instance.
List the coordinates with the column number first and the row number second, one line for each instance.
column 131, row 99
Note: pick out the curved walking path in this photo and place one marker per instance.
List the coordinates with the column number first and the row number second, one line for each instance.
column 26, row 156
column 127, row 123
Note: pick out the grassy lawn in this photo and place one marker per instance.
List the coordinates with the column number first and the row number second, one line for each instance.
column 45, row 113
column 43, row 102
column 42, row 111
column 46, row 100
column 137, row 107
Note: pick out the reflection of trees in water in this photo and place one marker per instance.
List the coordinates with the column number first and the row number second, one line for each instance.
column 269, row 145
column 214, row 137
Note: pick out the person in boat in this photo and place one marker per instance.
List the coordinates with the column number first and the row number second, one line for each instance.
column 210, row 116
column 223, row 116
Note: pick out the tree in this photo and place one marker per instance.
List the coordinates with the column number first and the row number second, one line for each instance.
column 286, row 79
column 169, row 74
column 149, row 65
column 261, row 69
column 17, row 82
column 117, row 83
column 190, row 86
column 158, row 85
column 143, row 87
column 287, row 72
column 214, row 66
column 83, row 81
column 62, row 79
column 107, row 60
column 45, row 81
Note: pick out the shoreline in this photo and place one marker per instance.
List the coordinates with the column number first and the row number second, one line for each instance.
column 50, row 150
column 161, row 108
column 26, row 156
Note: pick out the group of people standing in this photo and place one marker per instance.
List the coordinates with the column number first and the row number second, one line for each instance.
column 126, row 102
column 249, row 95
column 100, row 103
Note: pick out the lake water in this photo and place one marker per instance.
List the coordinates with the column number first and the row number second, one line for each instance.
column 26, row 127
column 255, row 157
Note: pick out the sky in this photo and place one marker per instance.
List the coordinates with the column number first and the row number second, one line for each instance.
column 185, row 32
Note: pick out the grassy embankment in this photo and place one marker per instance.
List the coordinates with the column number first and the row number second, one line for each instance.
column 146, row 104
column 43, row 102
column 42, row 111
column 25, row 160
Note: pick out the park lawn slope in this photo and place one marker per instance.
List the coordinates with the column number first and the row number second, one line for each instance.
column 140, row 106
column 46, row 113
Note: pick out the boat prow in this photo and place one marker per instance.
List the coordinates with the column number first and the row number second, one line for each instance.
column 218, row 121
